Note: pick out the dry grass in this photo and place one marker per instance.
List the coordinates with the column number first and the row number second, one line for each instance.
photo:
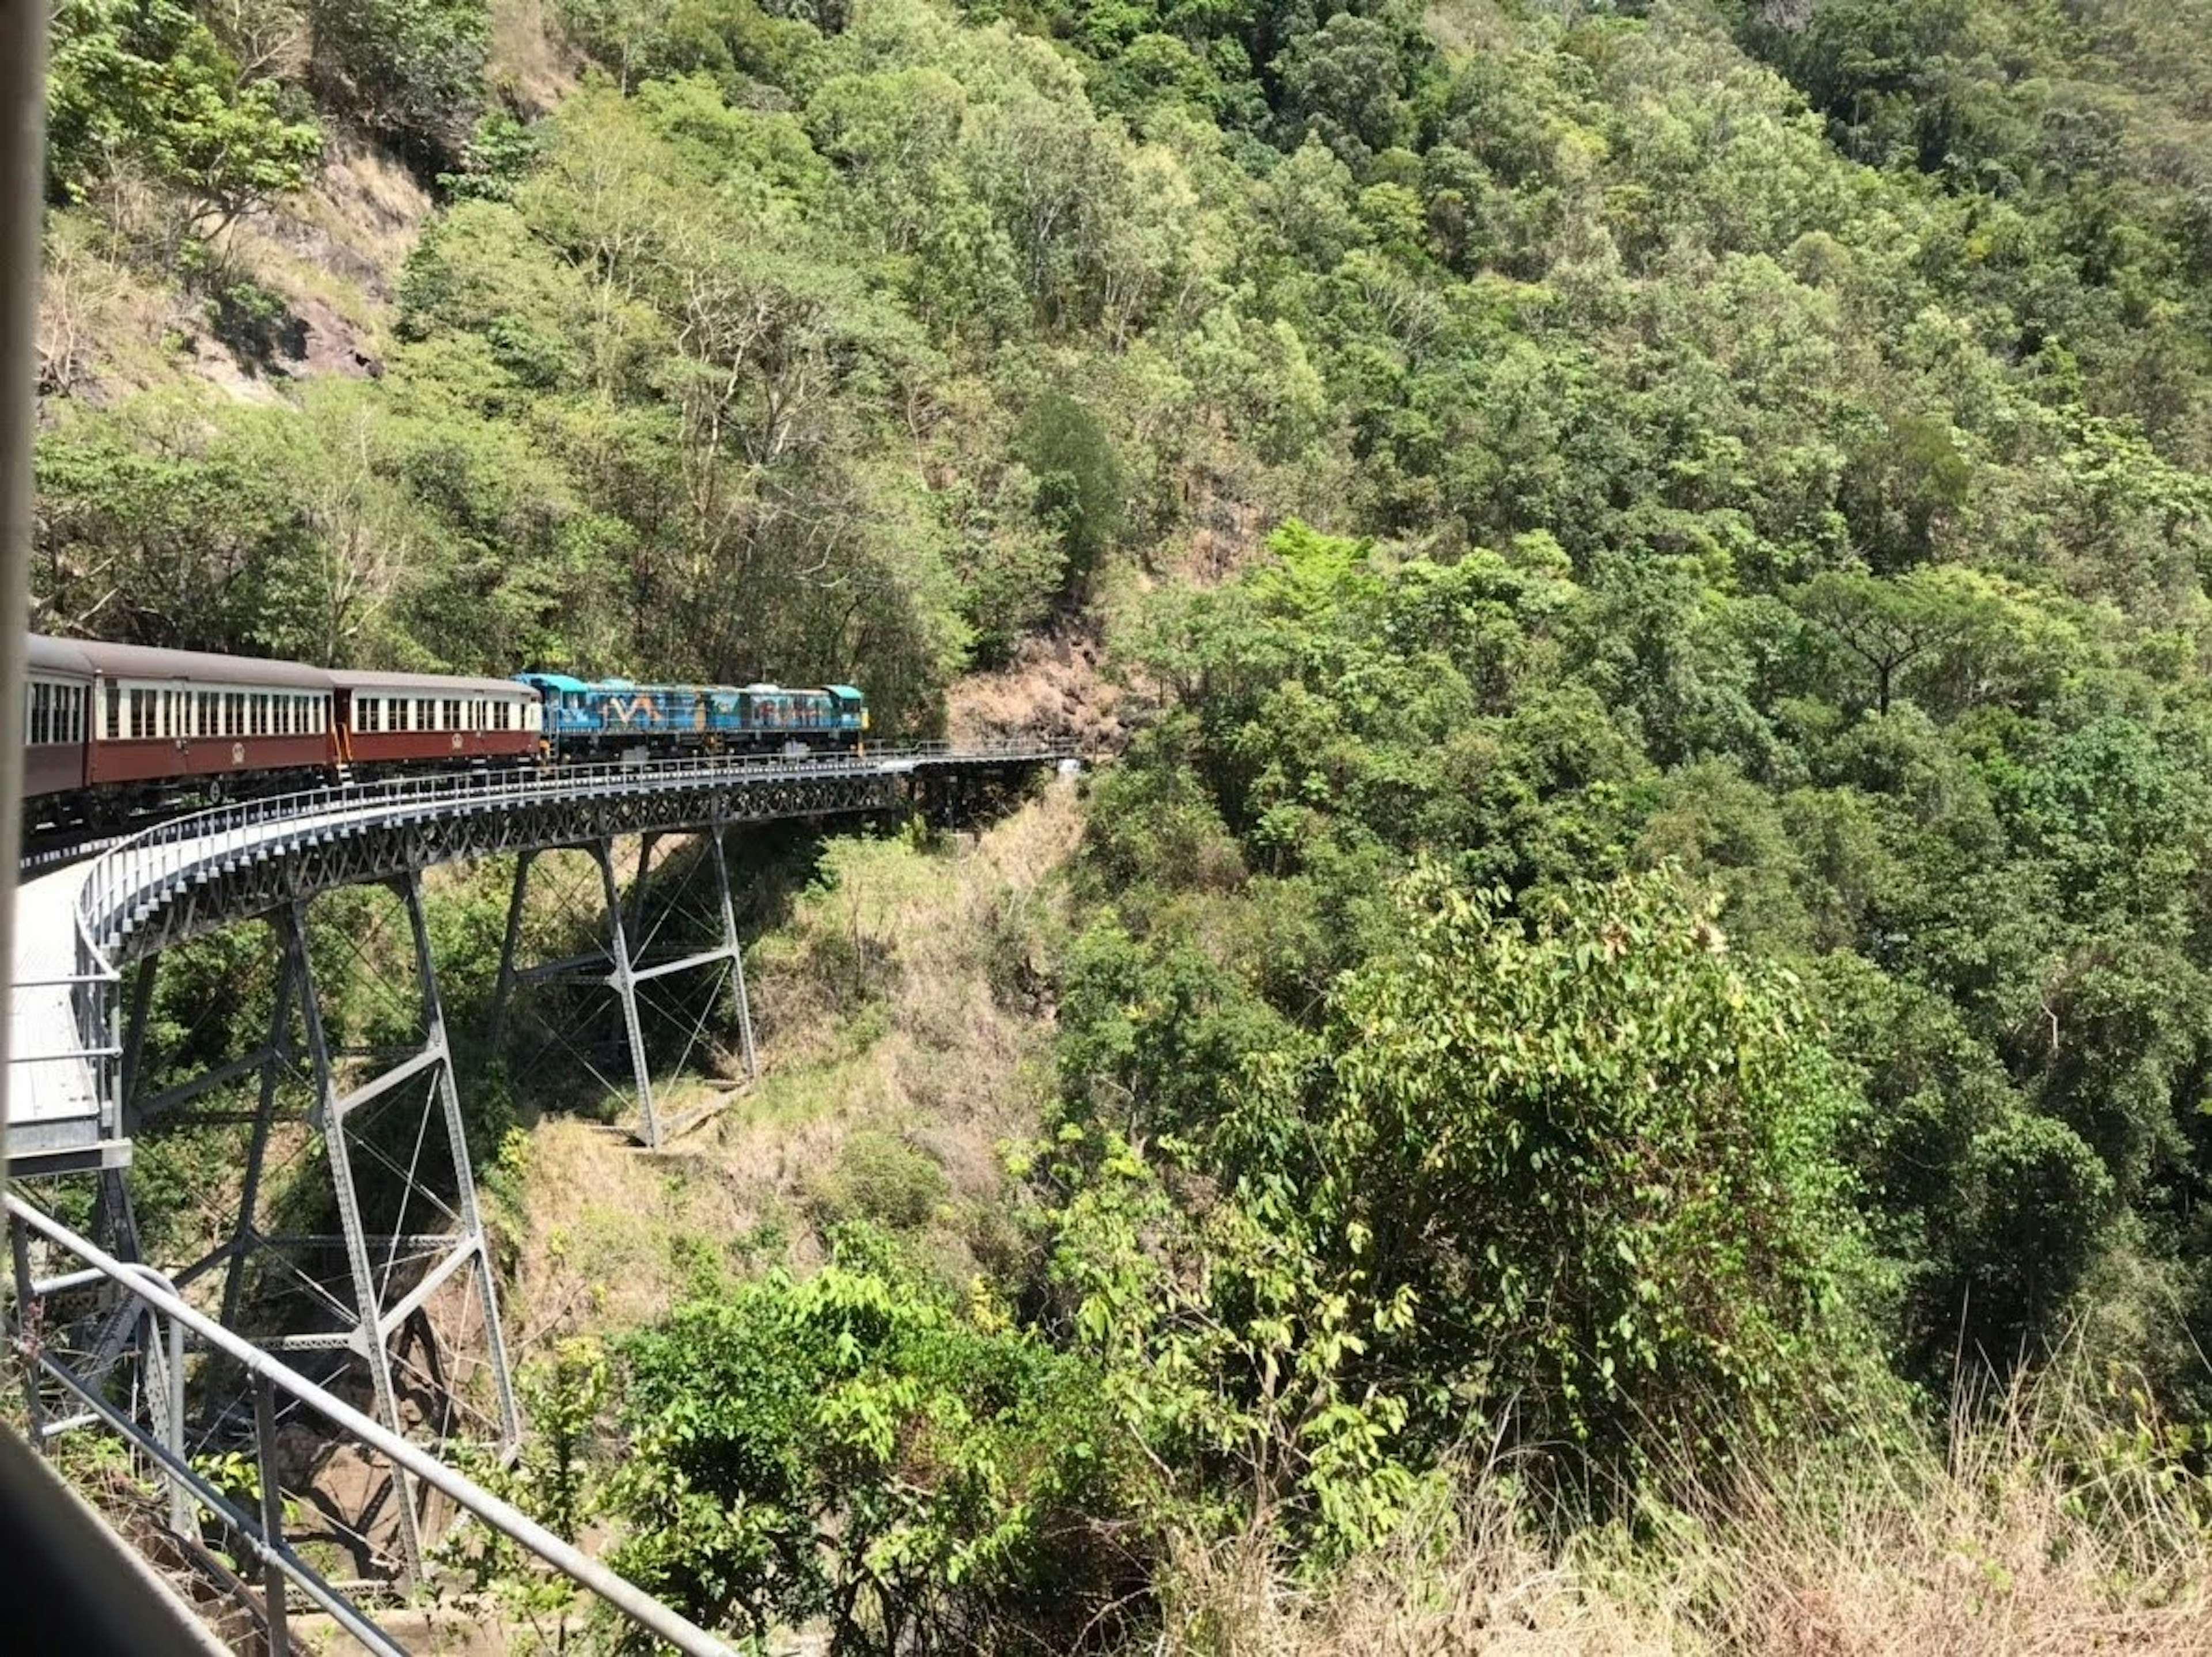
column 1054, row 688
column 533, row 69
column 100, row 324
column 609, row 1236
column 889, row 1008
column 1994, row 1545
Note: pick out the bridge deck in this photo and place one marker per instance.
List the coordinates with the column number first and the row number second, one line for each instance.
column 52, row 1100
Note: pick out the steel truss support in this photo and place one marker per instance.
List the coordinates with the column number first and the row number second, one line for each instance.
column 410, row 1240
column 633, row 957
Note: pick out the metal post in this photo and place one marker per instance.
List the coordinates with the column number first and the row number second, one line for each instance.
column 645, row 843
column 134, row 1039
column 23, row 187
column 434, row 1032
column 180, row 1500
column 28, row 1310
column 272, row 1517
column 114, row 1220
column 504, row 987
column 278, row 1060
column 622, row 979
column 737, row 954
column 368, row 1338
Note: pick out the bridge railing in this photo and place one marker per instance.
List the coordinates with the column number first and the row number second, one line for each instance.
column 177, row 846
column 259, row 1528
column 162, row 858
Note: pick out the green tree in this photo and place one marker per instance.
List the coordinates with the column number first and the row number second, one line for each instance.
column 151, row 86
column 411, row 70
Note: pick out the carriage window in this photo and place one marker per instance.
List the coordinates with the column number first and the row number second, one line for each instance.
column 38, row 712
column 452, row 715
column 142, row 713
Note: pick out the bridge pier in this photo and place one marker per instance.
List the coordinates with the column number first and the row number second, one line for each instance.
column 405, row 1284
column 629, row 960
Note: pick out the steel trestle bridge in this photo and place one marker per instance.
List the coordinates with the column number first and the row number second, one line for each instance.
column 365, row 1275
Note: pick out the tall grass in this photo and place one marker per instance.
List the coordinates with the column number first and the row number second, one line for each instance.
column 2051, row 1518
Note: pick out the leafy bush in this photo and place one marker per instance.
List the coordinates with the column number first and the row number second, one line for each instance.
column 881, row 1180
column 855, row 1448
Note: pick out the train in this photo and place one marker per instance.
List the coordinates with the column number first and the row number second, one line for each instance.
column 116, row 734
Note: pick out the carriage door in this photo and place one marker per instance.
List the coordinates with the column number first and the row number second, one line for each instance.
column 173, row 709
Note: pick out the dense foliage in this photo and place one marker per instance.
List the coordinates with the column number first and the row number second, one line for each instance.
column 857, row 1449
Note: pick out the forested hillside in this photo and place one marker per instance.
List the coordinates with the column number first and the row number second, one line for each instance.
column 1647, row 953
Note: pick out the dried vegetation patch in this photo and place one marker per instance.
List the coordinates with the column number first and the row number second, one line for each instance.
column 2006, row 1541
column 903, row 1017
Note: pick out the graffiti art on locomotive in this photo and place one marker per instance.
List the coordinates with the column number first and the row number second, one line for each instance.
column 615, row 718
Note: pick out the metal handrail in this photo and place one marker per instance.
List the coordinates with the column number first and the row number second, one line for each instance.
column 187, row 838
column 159, row 1297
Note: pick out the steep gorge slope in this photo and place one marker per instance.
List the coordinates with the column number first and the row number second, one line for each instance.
column 1655, row 915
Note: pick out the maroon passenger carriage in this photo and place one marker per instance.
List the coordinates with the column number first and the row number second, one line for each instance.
column 56, row 705
column 166, row 717
column 114, row 733
column 421, row 720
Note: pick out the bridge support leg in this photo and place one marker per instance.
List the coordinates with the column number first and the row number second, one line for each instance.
column 633, row 961
column 427, row 1228
column 503, row 988
column 737, row 955
column 623, row 980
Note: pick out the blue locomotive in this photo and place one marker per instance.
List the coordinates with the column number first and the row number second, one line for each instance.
column 617, row 718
